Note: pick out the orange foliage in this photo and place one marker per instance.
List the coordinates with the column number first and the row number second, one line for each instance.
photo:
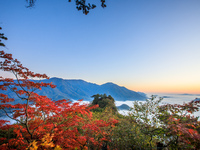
column 181, row 123
column 42, row 122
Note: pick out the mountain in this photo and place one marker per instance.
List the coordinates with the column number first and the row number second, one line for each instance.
column 80, row 89
column 123, row 107
column 196, row 99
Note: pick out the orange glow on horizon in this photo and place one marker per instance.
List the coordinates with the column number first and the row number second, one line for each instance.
column 190, row 89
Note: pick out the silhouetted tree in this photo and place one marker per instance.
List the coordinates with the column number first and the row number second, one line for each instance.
column 2, row 37
column 80, row 5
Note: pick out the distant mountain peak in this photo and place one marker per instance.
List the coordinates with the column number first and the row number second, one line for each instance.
column 109, row 83
column 75, row 89
column 56, row 78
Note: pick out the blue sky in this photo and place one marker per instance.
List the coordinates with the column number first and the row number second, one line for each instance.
column 144, row 45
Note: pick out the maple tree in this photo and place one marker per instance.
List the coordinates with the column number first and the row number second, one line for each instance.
column 41, row 123
column 173, row 125
column 151, row 124
column 181, row 125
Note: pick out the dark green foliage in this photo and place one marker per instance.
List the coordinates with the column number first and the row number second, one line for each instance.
column 104, row 101
column 31, row 3
column 7, row 134
column 2, row 37
column 80, row 5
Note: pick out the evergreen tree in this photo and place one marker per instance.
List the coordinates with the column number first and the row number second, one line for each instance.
column 104, row 101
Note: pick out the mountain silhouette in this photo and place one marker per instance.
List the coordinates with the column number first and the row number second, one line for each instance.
column 123, row 107
column 80, row 89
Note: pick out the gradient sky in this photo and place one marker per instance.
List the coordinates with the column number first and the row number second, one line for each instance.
column 144, row 45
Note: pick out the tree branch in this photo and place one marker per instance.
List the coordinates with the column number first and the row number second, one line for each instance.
column 10, row 116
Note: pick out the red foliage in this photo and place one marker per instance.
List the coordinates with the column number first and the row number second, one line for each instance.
column 181, row 123
column 70, row 123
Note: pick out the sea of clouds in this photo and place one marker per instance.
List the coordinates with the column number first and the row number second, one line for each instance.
column 167, row 98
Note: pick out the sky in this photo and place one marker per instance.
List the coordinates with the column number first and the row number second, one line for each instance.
column 145, row 45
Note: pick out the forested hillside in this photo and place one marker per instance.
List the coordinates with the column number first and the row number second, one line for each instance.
column 80, row 89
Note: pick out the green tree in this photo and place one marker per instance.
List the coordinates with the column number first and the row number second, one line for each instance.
column 172, row 125
column 137, row 130
column 127, row 135
column 104, row 101
column 146, row 116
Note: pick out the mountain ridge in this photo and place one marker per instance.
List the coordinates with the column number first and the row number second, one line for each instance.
column 75, row 89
